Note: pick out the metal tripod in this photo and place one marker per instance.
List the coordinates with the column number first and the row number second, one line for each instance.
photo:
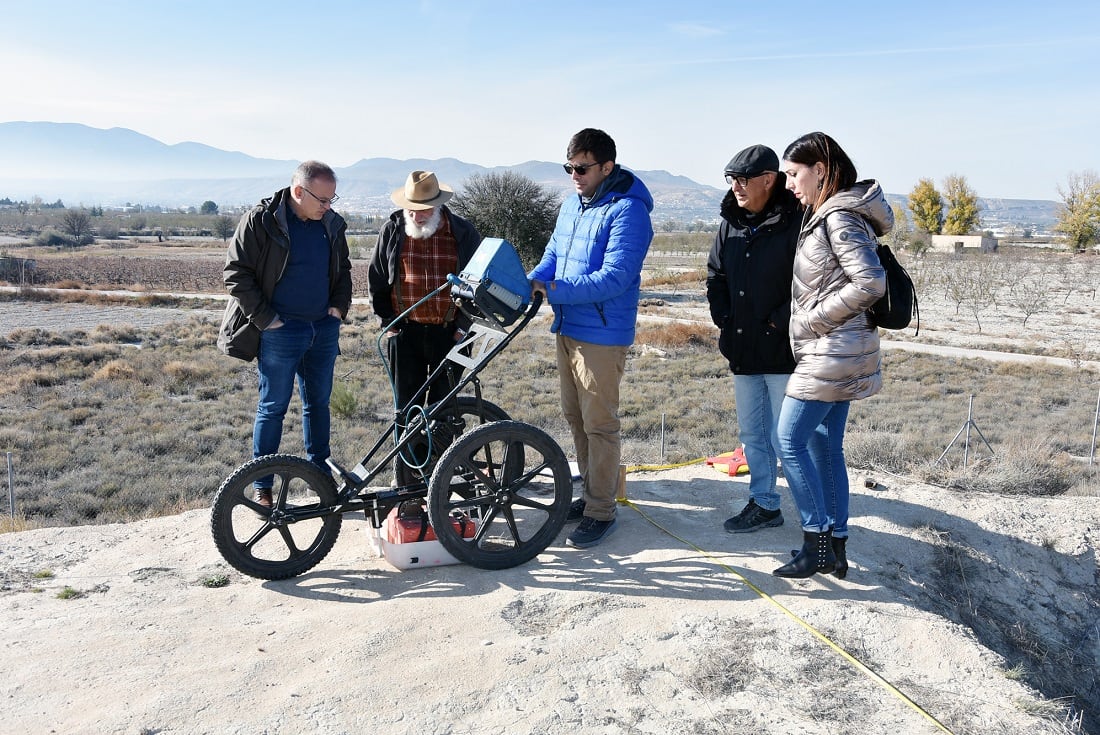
column 966, row 428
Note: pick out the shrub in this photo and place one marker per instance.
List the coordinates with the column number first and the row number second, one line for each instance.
column 678, row 334
column 672, row 278
column 115, row 370
column 108, row 231
column 343, row 401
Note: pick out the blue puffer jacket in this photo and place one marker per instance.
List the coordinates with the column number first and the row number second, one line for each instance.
column 593, row 263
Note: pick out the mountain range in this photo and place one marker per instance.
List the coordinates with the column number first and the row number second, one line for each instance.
column 79, row 164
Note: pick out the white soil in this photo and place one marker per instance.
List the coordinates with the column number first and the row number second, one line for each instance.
column 672, row 626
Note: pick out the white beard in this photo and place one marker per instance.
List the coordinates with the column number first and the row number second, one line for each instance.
column 429, row 228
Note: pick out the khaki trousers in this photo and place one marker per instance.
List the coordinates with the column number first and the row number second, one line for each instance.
column 590, row 375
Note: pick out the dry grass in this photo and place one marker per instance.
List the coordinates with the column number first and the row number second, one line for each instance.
column 672, row 278
column 123, row 423
column 16, row 523
column 117, row 423
column 677, row 335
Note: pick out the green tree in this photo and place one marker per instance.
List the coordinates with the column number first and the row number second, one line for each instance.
column 962, row 206
column 208, row 207
column 511, row 206
column 1079, row 215
column 224, row 226
column 927, row 207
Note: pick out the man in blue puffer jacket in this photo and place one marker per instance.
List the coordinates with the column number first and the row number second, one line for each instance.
column 591, row 276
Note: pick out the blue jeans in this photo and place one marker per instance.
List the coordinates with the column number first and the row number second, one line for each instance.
column 759, row 399
column 306, row 350
column 811, row 443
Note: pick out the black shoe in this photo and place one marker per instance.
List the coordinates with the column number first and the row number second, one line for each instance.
column 753, row 518
column 576, row 511
column 841, row 554
column 815, row 556
column 748, row 508
column 590, row 532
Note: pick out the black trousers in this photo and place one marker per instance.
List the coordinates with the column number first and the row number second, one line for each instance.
column 414, row 353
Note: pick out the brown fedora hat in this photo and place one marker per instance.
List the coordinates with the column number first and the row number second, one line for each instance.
column 421, row 191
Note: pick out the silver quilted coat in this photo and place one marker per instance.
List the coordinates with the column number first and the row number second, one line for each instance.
column 837, row 276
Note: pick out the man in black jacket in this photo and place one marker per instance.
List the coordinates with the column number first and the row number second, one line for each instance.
column 749, row 291
column 289, row 278
column 418, row 247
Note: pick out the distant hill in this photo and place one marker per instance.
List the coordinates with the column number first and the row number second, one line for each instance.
column 83, row 165
column 68, row 151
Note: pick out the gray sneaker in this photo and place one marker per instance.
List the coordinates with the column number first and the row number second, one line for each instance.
column 753, row 518
column 590, row 532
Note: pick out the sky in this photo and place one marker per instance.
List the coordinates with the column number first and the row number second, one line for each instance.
column 1006, row 94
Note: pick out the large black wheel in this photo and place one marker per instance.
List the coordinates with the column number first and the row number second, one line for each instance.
column 286, row 539
column 465, row 413
column 513, row 482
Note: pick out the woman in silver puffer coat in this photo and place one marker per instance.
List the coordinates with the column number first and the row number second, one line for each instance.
column 837, row 277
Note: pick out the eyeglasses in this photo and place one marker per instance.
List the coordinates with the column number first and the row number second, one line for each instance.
column 335, row 197
column 743, row 180
column 580, row 168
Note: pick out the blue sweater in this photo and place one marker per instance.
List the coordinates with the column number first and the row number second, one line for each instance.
column 592, row 265
column 302, row 292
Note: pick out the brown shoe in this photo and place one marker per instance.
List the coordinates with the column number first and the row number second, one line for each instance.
column 263, row 496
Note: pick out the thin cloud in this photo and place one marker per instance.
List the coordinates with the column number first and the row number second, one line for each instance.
column 848, row 54
column 696, row 30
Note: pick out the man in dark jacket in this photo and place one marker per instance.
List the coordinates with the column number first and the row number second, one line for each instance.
column 288, row 273
column 417, row 248
column 749, row 291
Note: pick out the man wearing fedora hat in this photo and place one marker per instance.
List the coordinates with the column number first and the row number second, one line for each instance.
column 419, row 245
column 749, row 275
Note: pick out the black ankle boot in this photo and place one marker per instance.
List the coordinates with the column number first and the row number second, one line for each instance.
column 841, row 557
column 816, row 556
column 841, row 570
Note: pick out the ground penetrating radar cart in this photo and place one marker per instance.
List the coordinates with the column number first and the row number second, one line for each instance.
column 472, row 464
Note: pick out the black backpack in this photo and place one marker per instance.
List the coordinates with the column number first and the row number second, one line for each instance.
column 898, row 306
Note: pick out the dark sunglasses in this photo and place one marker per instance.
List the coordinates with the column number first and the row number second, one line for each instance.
column 581, row 168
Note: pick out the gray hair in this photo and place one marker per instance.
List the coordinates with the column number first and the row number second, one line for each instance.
column 309, row 171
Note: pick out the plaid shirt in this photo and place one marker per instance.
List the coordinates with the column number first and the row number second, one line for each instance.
column 424, row 265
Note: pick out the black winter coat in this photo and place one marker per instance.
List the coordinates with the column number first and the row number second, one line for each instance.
column 749, row 283
column 254, row 263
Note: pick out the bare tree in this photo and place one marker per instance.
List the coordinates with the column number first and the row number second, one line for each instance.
column 224, row 226
column 510, row 206
column 76, row 222
column 983, row 278
column 898, row 236
column 1030, row 290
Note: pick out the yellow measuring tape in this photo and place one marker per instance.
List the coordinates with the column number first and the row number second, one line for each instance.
column 786, row 611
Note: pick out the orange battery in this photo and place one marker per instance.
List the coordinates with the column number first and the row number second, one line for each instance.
column 405, row 526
